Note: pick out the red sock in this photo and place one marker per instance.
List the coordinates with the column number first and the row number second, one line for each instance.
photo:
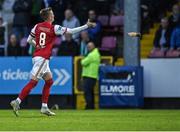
column 46, row 90
column 27, row 89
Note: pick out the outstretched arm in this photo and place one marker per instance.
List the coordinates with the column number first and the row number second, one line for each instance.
column 76, row 30
column 62, row 30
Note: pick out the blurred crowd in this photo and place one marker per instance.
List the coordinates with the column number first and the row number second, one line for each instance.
column 21, row 15
column 167, row 36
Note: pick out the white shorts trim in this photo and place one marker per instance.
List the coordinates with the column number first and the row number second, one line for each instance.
column 40, row 67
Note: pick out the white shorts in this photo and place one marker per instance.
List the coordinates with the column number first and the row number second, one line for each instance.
column 40, row 67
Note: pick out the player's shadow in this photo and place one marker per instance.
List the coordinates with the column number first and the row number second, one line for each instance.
column 35, row 116
column 30, row 117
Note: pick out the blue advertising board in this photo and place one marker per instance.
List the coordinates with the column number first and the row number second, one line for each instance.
column 15, row 73
column 120, row 86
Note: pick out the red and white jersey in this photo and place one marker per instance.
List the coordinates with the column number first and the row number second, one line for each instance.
column 44, row 34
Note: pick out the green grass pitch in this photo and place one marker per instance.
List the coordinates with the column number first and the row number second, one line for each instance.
column 88, row 120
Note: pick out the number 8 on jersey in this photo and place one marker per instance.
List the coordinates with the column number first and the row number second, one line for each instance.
column 42, row 39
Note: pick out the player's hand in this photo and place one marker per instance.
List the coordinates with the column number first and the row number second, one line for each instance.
column 91, row 24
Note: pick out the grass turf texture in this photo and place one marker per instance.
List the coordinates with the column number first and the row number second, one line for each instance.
column 97, row 120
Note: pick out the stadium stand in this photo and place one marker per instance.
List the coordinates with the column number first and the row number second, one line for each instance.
column 147, row 42
column 108, row 45
column 170, row 49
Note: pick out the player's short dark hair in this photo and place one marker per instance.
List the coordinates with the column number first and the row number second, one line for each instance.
column 44, row 13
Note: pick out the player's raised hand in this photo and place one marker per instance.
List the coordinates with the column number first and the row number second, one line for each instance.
column 91, row 24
